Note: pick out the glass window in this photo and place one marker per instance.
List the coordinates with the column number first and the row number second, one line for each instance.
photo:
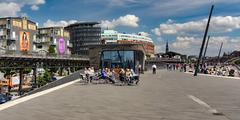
column 124, row 59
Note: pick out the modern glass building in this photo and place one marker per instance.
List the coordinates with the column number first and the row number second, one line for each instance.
column 122, row 59
column 117, row 55
column 82, row 35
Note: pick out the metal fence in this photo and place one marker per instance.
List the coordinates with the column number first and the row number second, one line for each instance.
column 47, row 56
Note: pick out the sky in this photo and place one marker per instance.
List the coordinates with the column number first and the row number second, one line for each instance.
column 180, row 22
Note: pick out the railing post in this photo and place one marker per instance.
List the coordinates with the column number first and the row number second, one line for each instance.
column 203, row 42
column 20, row 81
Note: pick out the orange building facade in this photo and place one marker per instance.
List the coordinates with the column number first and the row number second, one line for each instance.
column 148, row 46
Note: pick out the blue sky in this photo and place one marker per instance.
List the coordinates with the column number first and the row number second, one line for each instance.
column 182, row 22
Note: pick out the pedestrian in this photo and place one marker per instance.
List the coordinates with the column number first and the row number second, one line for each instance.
column 139, row 69
column 154, row 68
column 122, row 75
column 91, row 74
column 86, row 72
column 185, row 67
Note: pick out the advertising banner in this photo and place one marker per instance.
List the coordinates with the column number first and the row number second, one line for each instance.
column 61, row 46
column 24, row 41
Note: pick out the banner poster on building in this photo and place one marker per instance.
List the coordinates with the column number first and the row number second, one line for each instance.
column 24, row 41
column 61, row 46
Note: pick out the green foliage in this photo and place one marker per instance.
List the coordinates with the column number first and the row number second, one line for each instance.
column 27, row 70
column 51, row 50
column 8, row 71
column 53, row 70
column 237, row 62
column 148, row 56
column 43, row 80
column 47, row 76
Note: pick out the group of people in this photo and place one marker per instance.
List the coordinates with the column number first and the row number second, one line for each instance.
column 177, row 66
column 221, row 70
column 112, row 75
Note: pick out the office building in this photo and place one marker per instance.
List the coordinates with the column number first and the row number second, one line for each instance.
column 82, row 35
column 117, row 55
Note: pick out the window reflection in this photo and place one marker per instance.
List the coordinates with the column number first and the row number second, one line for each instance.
column 123, row 59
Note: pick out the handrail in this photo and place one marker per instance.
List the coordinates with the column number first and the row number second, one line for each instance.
column 49, row 56
column 150, row 59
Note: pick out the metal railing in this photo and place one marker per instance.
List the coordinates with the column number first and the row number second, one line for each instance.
column 47, row 56
column 163, row 59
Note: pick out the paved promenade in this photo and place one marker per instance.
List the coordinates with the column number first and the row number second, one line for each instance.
column 164, row 96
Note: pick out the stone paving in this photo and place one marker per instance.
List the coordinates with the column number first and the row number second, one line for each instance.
column 163, row 96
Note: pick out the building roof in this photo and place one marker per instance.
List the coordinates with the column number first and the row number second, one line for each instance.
column 82, row 23
column 51, row 27
column 16, row 18
column 108, row 35
column 114, row 46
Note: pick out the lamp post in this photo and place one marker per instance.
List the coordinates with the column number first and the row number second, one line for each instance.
column 203, row 43
column 205, row 51
column 219, row 53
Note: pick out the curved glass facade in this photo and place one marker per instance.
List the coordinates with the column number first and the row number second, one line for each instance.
column 122, row 59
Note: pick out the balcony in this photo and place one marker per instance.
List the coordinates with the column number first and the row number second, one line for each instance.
column 11, row 38
column 69, row 44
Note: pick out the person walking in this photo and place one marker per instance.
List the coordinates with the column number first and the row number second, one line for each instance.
column 154, row 68
column 139, row 69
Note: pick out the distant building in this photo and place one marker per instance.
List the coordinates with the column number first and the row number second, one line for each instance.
column 113, row 37
column 17, row 34
column 56, row 37
column 167, row 48
column 170, row 54
column 84, row 34
column 235, row 53
column 192, row 58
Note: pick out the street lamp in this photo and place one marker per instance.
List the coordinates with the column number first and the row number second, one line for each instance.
column 203, row 43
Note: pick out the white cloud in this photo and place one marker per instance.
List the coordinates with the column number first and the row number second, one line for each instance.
column 34, row 7
column 34, row 3
column 127, row 20
column 26, row 2
column 178, row 7
column 9, row 9
column 169, row 21
column 191, row 45
column 156, row 31
column 184, row 42
column 119, row 2
column 63, row 23
column 114, row 3
column 13, row 7
column 218, row 24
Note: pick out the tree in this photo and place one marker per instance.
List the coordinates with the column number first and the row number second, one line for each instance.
column 43, row 80
column 51, row 50
column 53, row 70
column 237, row 62
column 27, row 70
